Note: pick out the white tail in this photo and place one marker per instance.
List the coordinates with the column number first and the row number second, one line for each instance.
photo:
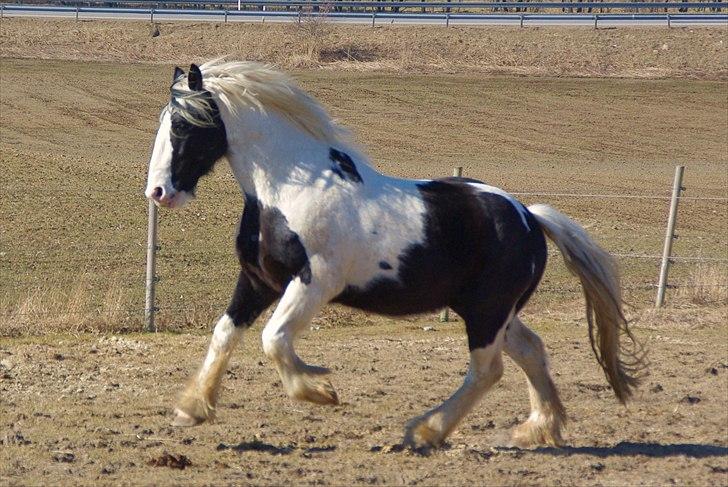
column 599, row 277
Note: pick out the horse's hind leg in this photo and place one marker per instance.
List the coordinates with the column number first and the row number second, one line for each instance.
column 543, row 427
column 198, row 401
column 485, row 338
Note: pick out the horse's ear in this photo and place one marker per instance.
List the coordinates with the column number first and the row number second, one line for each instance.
column 177, row 73
column 194, row 78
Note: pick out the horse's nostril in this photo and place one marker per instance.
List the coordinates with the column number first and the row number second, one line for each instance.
column 158, row 193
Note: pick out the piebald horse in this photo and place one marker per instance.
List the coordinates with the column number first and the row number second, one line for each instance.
column 321, row 225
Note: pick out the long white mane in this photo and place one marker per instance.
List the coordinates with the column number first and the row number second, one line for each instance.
column 239, row 85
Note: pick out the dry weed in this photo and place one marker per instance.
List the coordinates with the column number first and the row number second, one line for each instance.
column 706, row 285
column 312, row 30
column 45, row 309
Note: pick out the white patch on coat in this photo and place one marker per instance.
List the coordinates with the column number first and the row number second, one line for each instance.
column 354, row 226
column 511, row 199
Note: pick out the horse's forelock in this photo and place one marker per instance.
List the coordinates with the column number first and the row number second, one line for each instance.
column 195, row 107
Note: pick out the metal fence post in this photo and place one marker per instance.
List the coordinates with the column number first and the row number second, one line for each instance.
column 668, row 21
column 226, row 14
column 151, row 280
column 447, row 20
column 445, row 313
column 374, row 17
column 596, row 20
column 521, row 16
column 151, row 14
column 77, row 9
column 669, row 236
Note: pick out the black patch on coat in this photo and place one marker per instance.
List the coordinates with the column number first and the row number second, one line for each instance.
column 252, row 296
column 343, row 166
column 195, row 150
column 476, row 257
column 384, row 265
column 268, row 248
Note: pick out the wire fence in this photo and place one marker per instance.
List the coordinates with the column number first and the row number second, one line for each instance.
column 30, row 267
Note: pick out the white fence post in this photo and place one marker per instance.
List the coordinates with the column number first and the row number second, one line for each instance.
column 445, row 313
column 151, row 280
column 669, row 236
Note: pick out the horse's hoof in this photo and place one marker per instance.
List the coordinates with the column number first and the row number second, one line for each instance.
column 420, row 435
column 184, row 420
column 530, row 435
column 317, row 390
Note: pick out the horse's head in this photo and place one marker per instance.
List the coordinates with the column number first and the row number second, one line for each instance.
column 190, row 139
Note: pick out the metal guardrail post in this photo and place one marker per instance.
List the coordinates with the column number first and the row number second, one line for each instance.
column 151, row 14
column 521, row 19
column 668, row 21
column 457, row 172
column 226, row 14
column 669, row 236
column 596, row 20
column 77, row 9
column 151, row 279
column 374, row 17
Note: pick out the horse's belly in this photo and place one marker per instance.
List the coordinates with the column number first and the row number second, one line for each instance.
column 390, row 297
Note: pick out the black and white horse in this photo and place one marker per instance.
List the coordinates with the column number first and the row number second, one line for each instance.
column 321, row 225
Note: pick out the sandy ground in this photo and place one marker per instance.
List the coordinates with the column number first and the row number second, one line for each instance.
column 95, row 409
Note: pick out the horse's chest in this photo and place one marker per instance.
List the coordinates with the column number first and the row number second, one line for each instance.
column 268, row 248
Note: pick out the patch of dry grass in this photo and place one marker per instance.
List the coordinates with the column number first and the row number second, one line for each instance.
column 706, row 285
column 644, row 52
column 49, row 308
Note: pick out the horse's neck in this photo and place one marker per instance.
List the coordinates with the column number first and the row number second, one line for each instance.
column 268, row 154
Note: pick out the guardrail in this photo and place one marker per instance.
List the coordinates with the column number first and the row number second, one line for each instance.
column 631, row 6
column 373, row 16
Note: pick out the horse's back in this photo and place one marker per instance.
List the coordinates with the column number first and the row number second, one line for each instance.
column 473, row 234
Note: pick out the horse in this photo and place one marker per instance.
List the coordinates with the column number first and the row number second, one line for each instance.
column 320, row 225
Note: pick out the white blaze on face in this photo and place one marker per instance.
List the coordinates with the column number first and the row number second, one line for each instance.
column 160, row 164
column 159, row 178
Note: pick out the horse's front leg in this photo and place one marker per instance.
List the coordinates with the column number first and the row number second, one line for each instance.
column 197, row 403
column 300, row 302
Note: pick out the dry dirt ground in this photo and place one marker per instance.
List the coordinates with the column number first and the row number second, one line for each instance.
column 95, row 409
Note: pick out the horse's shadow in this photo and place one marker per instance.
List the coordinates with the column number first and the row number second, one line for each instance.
column 628, row 448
